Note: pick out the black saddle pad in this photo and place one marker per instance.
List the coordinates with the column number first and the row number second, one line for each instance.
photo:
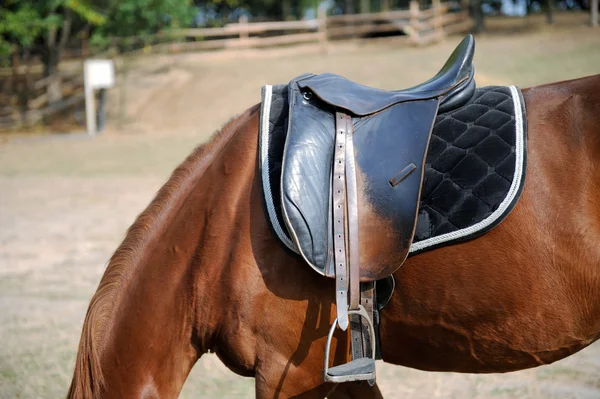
column 474, row 174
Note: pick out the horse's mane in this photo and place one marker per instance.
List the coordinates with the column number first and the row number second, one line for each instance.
column 88, row 380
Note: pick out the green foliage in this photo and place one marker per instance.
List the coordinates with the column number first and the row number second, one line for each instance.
column 23, row 26
column 220, row 11
column 228, row 3
column 85, row 11
column 141, row 18
column 304, row 4
column 26, row 22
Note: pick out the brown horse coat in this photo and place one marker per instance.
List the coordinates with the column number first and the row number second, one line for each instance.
column 200, row 271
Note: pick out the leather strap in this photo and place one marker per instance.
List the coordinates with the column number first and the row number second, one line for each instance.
column 367, row 300
column 356, row 336
column 359, row 329
column 345, row 230
column 352, row 213
column 339, row 233
column 356, row 324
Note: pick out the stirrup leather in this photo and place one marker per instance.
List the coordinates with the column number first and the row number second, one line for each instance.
column 349, row 300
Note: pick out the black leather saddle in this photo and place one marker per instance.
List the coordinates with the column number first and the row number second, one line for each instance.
column 390, row 136
column 351, row 180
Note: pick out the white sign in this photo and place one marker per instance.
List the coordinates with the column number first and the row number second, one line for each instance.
column 99, row 74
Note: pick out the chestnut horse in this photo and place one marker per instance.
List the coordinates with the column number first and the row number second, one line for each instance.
column 200, row 271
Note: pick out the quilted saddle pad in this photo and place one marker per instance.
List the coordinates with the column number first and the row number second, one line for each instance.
column 474, row 173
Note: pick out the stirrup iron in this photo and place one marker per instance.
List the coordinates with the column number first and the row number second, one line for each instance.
column 358, row 369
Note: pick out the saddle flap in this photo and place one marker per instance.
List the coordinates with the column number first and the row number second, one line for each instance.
column 390, row 150
column 306, row 180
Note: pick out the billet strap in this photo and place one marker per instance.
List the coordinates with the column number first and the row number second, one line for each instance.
column 367, row 300
column 339, row 225
column 357, row 336
column 359, row 328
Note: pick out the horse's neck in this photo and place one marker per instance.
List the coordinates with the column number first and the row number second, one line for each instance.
column 144, row 315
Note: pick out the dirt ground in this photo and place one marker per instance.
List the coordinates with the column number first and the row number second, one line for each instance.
column 66, row 201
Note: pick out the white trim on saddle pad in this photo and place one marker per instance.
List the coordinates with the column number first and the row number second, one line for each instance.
column 508, row 201
column 264, row 158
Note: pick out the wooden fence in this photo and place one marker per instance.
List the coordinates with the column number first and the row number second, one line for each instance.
column 414, row 26
column 30, row 105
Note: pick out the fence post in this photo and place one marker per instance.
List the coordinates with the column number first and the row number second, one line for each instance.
column 594, row 13
column 243, row 21
column 15, row 68
column 322, row 21
column 113, row 49
column 438, row 16
column 18, row 87
column 365, row 6
column 85, row 47
column 27, row 86
column 414, row 28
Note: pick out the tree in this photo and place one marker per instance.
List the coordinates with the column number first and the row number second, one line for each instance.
column 128, row 18
column 477, row 15
column 44, row 27
column 222, row 10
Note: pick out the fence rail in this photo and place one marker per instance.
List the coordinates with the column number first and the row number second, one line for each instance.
column 30, row 105
column 419, row 25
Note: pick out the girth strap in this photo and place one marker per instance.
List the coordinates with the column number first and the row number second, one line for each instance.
column 367, row 300
column 359, row 333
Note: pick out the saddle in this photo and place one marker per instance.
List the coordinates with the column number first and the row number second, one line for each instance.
column 351, row 179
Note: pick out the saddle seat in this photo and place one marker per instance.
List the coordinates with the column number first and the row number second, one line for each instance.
column 454, row 81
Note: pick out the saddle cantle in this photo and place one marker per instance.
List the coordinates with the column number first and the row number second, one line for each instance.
column 347, row 173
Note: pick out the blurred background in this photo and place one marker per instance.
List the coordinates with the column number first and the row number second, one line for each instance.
column 181, row 69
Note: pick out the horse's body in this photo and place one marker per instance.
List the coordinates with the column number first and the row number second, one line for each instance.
column 200, row 272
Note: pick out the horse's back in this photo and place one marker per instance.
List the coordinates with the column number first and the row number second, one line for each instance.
column 528, row 292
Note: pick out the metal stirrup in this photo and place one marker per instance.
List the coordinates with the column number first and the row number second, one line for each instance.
column 357, row 377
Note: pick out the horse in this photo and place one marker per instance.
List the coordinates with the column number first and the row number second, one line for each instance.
column 200, row 271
